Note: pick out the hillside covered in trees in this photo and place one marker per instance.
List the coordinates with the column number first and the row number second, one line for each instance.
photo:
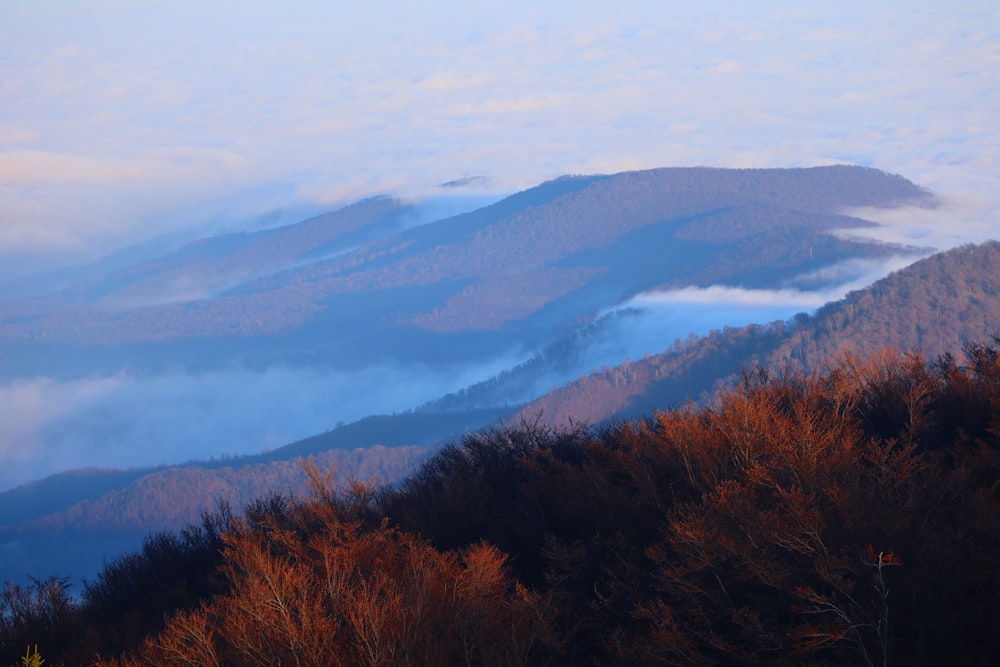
column 849, row 517
column 523, row 269
column 70, row 523
column 933, row 306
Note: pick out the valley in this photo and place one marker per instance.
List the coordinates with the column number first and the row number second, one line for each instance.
column 569, row 258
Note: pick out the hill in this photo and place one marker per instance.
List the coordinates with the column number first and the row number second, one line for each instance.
column 358, row 283
column 102, row 513
column 847, row 518
column 961, row 287
column 934, row 306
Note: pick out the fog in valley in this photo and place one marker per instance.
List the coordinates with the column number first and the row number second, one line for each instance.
column 125, row 418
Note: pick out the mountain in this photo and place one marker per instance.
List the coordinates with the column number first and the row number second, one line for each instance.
column 383, row 284
column 934, row 306
column 553, row 271
column 361, row 283
column 105, row 512
column 210, row 266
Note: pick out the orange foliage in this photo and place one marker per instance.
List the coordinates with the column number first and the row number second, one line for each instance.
column 311, row 588
column 848, row 518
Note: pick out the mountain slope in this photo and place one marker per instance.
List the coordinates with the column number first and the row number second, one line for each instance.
column 208, row 267
column 521, row 271
column 72, row 522
column 960, row 287
column 380, row 447
column 934, row 306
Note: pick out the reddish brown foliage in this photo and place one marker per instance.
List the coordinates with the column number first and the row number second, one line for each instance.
column 310, row 588
column 849, row 518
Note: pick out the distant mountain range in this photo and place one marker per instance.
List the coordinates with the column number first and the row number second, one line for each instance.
column 368, row 280
column 544, row 269
column 935, row 306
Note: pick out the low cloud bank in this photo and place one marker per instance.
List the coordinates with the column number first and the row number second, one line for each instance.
column 963, row 216
column 122, row 420
column 653, row 322
column 671, row 315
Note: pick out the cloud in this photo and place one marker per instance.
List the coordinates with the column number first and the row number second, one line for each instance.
column 670, row 315
column 35, row 168
column 836, row 280
column 336, row 106
column 966, row 213
column 451, row 79
column 729, row 296
column 123, row 419
column 16, row 135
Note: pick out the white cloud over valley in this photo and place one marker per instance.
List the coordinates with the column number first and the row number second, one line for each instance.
column 124, row 420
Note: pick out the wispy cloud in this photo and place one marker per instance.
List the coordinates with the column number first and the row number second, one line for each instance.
column 670, row 315
column 729, row 296
column 836, row 279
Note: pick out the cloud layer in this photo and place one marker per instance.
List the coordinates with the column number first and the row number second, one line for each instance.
column 124, row 420
column 676, row 314
column 125, row 120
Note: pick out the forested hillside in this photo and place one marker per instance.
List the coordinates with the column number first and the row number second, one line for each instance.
column 529, row 266
column 102, row 513
column 846, row 518
column 379, row 448
column 934, row 306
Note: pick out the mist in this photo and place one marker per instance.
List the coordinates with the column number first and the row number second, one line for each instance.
column 661, row 318
column 126, row 124
column 125, row 420
column 655, row 322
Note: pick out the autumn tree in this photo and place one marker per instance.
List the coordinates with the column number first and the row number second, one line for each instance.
column 312, row 586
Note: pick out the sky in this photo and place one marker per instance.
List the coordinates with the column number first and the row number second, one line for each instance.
column 122, row 121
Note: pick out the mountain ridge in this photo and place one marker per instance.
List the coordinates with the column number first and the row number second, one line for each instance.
column 533, row 231
column 532, row 272
column 961, row 285
column 902, row 310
